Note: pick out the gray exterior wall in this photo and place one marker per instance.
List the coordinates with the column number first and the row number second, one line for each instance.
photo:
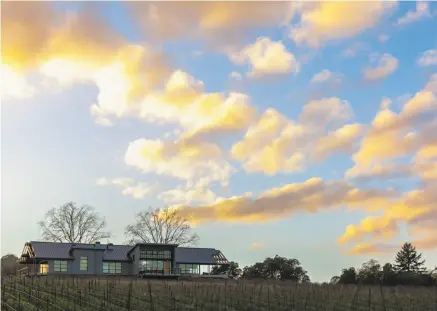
column 95, row 264
column 135, row 254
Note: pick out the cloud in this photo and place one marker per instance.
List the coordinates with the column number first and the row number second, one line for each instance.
column 256, row 245
column 184, row 103
column 383, row 37
column 216, row 22
column 311, row 196
column 354, row 49
column 275, row 144
column 326, row 76
column 341, row 140
column 421, row 12
column 428, row 58
column 80, row 47
column 384, row 65
column 201, row 162
column 196, row 194
column 235, row 75
column 393, row 135
column 15, row 85
column 325, row 21
column 373, row 248
column 416, row 209
column 266, row 57
column 137, row 190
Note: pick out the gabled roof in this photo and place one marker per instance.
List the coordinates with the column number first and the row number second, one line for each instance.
column 205, row 256
column 53, row 250
column 117, row 253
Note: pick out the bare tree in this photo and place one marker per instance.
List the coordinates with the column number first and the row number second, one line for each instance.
column 164, row 226
column 74, row 224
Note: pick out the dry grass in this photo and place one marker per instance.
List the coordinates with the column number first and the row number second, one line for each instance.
column 66, row 293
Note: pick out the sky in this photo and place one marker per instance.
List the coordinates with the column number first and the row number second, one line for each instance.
column 302, row 129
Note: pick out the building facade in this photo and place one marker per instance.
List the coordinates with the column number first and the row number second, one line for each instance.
column 108, row 259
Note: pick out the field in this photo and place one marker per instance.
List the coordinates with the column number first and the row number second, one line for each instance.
column 50, row 293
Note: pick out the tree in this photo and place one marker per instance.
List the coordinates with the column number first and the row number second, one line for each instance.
column 348, row 276
column 232, row 270
column 164, row 226
column 277, row 268
column 9, row 264
column 409, row 260
column 254, row 271
column 335, row 279
column 370, row 272
column 388, row 274
column 74, row 224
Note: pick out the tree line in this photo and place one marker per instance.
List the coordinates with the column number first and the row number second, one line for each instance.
column 82, row 224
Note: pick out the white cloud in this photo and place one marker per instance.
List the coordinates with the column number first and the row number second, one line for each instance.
column 266, row 57
column 422, row 11
column 384, row 65
column 428, row 58
column 235, row 75
column 137, row 190
column 383, row 37
column 180, row 159
column 14, row 84
column 326, row 76
column 198, row 194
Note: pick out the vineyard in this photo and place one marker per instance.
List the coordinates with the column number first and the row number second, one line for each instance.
column 51, row 293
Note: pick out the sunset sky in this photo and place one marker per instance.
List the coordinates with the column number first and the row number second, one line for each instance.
column 303, row 129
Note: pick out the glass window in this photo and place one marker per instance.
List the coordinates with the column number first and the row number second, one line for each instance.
column 83, row 263
column 155, row 266
column 111, row 267
column 60, row 266
column 189, row 269
column 155, row 254
column 44, row 268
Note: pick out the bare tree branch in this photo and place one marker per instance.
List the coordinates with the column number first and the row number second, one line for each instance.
column 161, row 226
column 70, row 223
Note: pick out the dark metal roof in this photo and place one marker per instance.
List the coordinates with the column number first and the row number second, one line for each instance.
column 52, row 250
column 117, row 253
column 206, row 256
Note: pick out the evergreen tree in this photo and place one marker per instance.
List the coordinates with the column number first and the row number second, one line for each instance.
column 409, row 260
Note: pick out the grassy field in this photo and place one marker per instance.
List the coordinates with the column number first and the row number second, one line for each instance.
column 51, row 293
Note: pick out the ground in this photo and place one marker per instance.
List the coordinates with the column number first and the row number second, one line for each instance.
column 68, row 293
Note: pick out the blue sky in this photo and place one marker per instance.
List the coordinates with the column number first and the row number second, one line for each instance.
column 346, row 172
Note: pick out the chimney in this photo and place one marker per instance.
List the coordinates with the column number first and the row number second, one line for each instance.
column 96, row 242
column 109, row 246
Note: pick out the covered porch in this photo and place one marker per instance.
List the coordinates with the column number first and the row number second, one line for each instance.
column 199, row 262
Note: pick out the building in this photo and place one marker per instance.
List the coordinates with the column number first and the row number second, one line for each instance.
column 109, row 259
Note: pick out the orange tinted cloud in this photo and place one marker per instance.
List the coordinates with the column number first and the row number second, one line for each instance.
column 216, row 22
column 394, row 135
column 416, row 209
column 325, row 21
column 311, row 196
column 275, row 144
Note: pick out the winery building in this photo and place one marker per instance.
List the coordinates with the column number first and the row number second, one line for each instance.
column 108, row 259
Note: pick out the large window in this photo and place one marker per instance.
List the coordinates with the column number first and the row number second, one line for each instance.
column 112, row 267
column 189, row 269
column 44, row 268
column 155, row 254
column 60, row 266
column 83, row 263
column 155, row 266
